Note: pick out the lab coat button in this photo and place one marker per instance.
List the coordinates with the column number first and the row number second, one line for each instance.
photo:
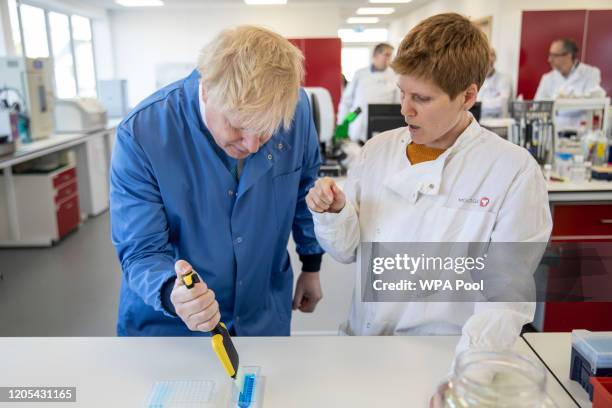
column 238, row 240
column 237, row 318
column 431, row 186
column 368, row 325
column 269, row 157
column 240, row 283
column 230, row 192
column 378, row 230
column 280, row 146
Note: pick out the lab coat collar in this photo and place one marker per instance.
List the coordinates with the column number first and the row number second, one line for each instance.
column 426, row 178
column 373, row 69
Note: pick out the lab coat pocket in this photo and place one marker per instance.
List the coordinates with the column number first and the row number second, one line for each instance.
column 286, row 190
column 459, row 225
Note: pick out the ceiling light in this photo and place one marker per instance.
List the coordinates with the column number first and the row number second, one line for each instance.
column 390, row 1
column 375, row 10
column 140, row 3
column 263, row 2
column 362, row 20
column 350, row 35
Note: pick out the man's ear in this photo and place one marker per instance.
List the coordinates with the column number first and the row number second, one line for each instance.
column 469, row 96
column 204, row 94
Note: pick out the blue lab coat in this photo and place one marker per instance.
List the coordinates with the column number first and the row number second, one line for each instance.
column 173, row 198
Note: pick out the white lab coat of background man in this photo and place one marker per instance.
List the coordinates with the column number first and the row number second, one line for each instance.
column 376, row 83
column 569, row 77
column 496, row 91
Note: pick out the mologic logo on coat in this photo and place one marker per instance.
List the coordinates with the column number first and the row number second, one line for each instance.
column 483, row 201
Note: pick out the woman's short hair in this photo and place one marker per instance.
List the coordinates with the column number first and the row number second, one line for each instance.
column 254, row 75
column 447, row 49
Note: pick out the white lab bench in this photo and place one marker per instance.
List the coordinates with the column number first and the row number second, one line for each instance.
column 587, row 191
column 555, row 349
column 92, row 162
column 300, row 371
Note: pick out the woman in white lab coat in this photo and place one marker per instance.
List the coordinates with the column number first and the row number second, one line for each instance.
column 443, row 178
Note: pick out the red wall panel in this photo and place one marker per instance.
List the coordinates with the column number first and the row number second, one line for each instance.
column 538, row 30
column 598, row 50
column 323, row 65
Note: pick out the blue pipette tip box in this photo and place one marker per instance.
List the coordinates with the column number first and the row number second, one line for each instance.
column 591, row 357
column 247, row 391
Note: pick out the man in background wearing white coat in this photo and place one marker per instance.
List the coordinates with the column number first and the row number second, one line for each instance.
column 442, row 179
column 569, row 77
column 373, row 84
column 496, row 91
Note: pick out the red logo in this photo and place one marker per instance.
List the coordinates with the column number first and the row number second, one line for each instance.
column 484, row 201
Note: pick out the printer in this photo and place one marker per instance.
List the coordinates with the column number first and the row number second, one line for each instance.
column 76, row 115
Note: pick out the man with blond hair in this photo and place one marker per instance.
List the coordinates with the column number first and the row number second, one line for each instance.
column 210, row 173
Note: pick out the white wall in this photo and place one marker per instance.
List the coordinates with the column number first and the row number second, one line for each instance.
column 506, row 32
column 143, row 39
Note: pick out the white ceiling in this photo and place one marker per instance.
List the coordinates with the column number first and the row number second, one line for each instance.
column 347, row 7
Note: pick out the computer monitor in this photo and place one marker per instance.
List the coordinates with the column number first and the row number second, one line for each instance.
column 383, row 117
column 476, row 110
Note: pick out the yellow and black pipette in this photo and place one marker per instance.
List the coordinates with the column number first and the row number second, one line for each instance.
column 221, row 341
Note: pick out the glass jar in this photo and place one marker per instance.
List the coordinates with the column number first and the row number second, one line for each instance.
column 494, row 379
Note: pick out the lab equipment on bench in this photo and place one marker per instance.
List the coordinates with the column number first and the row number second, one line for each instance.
column 602, row 173
column 32, row 79
column 322, row 109
column 75, row 115
column 39, row 74
column 245, row 392
column 342, row 130
column 533, row 128
column 591, row 111
column 487, row 379
column 181, row 393
column 7, row 140
column 591, row 357
column 383, row 117
column 338, row 154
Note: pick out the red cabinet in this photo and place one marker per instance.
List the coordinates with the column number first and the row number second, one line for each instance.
column 589, row 226
column 582, row 222
column 67, row 215
column 48, row 206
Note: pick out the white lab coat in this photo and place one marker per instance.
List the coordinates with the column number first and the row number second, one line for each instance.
column 367, row 87
column 495, row 94
column 583, row 81
column 390, row 200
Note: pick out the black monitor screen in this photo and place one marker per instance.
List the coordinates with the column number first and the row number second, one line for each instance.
column 383, row 117
column 476, row 110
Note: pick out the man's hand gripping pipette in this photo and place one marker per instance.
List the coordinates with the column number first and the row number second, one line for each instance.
column 195, row 304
